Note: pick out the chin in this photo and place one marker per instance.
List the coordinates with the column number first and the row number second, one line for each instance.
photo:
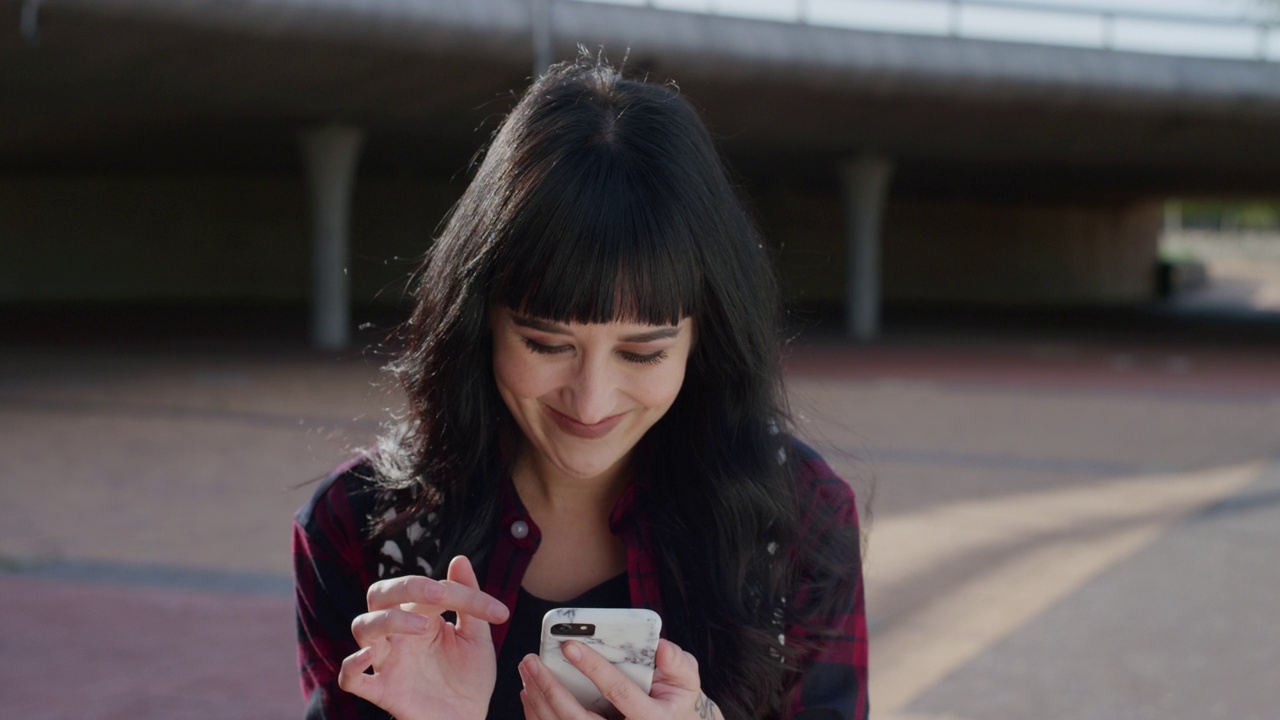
column 590, row 467
column 586, row 471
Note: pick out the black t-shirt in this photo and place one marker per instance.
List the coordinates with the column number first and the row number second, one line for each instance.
column 525, row 635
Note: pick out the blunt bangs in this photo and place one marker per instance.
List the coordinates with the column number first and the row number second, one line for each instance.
column 595, row 241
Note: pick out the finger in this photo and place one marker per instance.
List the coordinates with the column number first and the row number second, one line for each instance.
column 548, row 697
column 535, row 707
column 676, row 667
column 436, row 596
column 461, row 572
column 400, row 591
column 351, row 676
column 617, row 688
column 381, row 623
column 530, row 712
column 531, row 698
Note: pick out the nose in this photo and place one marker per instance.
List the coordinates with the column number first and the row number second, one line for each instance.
column 591, row 390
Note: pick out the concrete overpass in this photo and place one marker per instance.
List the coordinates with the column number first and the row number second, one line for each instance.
column 150, row 149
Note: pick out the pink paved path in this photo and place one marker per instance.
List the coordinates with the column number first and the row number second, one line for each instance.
column 172, row 444
column 76, row 650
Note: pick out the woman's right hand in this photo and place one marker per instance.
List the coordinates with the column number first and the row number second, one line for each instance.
column 422, row 665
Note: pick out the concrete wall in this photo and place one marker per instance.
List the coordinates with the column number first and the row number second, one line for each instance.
column 805, row 231
column 127, row 239
column 68, row 239
column 1024, row 254
column 946, row 252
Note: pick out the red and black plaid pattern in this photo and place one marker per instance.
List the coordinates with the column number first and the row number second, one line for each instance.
column 334, row 565
column 834, row 684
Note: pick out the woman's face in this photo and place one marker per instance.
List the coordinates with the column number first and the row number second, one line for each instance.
column 584, row 394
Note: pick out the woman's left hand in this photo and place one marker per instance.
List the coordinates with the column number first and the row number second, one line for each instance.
column 676, row 693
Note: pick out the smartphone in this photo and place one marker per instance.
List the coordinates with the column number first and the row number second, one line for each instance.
column 626, row 637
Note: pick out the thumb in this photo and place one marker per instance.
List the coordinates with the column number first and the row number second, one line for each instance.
column 676, row 667
column 461, row 572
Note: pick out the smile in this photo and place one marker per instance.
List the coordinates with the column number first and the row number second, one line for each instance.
column 582, row 430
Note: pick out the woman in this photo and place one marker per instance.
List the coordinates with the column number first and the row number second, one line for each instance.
column 595, row 418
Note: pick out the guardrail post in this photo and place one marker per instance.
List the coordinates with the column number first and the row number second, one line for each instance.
column 953, row 18
column 1109, row 31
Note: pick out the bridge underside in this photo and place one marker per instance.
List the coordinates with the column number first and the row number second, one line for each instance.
column 103, row 91
column 142, row 95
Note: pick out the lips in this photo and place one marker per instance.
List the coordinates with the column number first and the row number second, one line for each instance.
column 582, row 430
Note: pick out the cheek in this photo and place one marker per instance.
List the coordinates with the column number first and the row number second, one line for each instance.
column 661, row 389
column 515, row 373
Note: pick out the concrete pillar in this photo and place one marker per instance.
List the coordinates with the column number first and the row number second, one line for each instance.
column 542, row 36
column 865, row 188
column 331, row 154
column 29, row 21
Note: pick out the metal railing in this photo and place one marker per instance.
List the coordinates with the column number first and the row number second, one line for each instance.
column 1164, row 32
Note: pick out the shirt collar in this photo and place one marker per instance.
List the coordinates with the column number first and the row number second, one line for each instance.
column 512, row 509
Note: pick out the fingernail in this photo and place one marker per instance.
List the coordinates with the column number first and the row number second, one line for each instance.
column 420, row 623
column 497, row 610
column 571, row 651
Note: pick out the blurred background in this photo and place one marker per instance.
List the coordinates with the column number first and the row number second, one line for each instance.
column 1031, row 250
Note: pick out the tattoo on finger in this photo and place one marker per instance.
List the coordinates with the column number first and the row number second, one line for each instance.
column 704, row 707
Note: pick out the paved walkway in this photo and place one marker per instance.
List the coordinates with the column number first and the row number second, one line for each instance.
column 1076, row 525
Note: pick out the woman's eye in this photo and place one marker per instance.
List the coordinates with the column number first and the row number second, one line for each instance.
column 646, row 358
column 541, row 349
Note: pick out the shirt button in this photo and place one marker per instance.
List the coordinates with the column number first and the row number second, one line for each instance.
column 519, row 529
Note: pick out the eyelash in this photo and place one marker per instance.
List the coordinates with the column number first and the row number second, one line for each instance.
column 636, row 358
column 650, row 359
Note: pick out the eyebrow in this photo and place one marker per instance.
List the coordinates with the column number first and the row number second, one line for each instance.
column 644, row 337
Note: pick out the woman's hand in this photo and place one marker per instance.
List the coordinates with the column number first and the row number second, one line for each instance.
column 421, row 664
column 676, row 693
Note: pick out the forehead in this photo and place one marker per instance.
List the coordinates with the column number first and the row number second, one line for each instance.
column 628, row 328
column 610, row 303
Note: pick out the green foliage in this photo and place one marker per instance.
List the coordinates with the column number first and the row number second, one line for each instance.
column 1225, row 215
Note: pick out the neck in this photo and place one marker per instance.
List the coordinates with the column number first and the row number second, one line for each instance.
column 546, row 490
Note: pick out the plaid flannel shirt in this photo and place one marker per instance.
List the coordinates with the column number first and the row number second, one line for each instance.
column 334, row 565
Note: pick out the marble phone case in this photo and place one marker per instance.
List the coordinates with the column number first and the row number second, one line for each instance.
column 628, row 638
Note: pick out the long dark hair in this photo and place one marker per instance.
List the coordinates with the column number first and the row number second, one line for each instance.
column 599, row 199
